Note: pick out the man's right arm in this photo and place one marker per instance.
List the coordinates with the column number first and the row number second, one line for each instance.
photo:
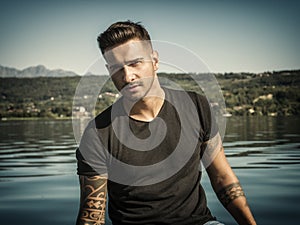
column 92, row 200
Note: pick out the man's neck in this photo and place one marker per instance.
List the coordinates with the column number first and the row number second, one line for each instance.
column 147, row 108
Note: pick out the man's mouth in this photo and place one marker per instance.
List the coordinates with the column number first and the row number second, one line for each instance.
column 132, row 87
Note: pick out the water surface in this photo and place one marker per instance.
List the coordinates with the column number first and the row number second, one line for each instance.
column 39, row 185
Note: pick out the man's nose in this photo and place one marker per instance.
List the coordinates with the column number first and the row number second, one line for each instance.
column 128, row 75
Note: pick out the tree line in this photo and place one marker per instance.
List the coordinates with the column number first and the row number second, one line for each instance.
column 270, row 93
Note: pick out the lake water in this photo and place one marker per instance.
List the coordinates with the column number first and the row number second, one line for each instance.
column 39, row 185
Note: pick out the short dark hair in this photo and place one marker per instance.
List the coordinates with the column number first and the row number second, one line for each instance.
column 121, row 32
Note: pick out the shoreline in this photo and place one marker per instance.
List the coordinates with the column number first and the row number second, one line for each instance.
column 35, row 118
column 70, row 118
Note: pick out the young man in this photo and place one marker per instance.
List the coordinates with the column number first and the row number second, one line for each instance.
column 145, row 150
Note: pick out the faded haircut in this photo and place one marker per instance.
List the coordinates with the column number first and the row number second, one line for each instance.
column 120, row 32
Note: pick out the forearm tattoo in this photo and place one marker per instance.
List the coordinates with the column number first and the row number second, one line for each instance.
column 93, row 200
column 229, row 193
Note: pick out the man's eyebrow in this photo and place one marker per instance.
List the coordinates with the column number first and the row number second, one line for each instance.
column 134, row 60
column 120, row 65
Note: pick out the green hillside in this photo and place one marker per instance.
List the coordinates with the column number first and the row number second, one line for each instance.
column 269, row 93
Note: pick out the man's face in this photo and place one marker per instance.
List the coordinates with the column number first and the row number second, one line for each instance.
column 132, row 67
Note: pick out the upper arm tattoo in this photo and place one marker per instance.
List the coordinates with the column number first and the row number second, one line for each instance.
column 92, row 200
column 229, row 193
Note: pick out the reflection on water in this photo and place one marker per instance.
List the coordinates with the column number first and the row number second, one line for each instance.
column 265, row 142
column 35, row 148
column 38, row 170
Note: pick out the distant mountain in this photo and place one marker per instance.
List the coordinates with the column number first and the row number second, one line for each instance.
column 34, row 71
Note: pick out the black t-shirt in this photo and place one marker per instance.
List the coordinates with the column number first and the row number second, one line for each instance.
column 152, row 167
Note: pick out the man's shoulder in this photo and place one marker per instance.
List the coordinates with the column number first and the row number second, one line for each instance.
column 105, row 118
column 179, row 94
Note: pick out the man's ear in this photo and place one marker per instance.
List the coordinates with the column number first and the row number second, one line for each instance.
column 155, row 60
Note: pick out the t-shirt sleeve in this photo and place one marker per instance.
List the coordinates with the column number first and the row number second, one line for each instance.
column 209, row 133
column 83, row 168
column 209, row 127
column 91, row 154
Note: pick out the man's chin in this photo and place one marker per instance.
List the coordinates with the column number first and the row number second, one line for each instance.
column 133, row 97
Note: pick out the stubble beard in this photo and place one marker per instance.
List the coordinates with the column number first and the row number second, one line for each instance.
column 145, row 85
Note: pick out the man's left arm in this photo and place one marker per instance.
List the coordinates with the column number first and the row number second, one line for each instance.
column 227, row 187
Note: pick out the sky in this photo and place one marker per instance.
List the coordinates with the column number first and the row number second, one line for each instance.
column 228, row 36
